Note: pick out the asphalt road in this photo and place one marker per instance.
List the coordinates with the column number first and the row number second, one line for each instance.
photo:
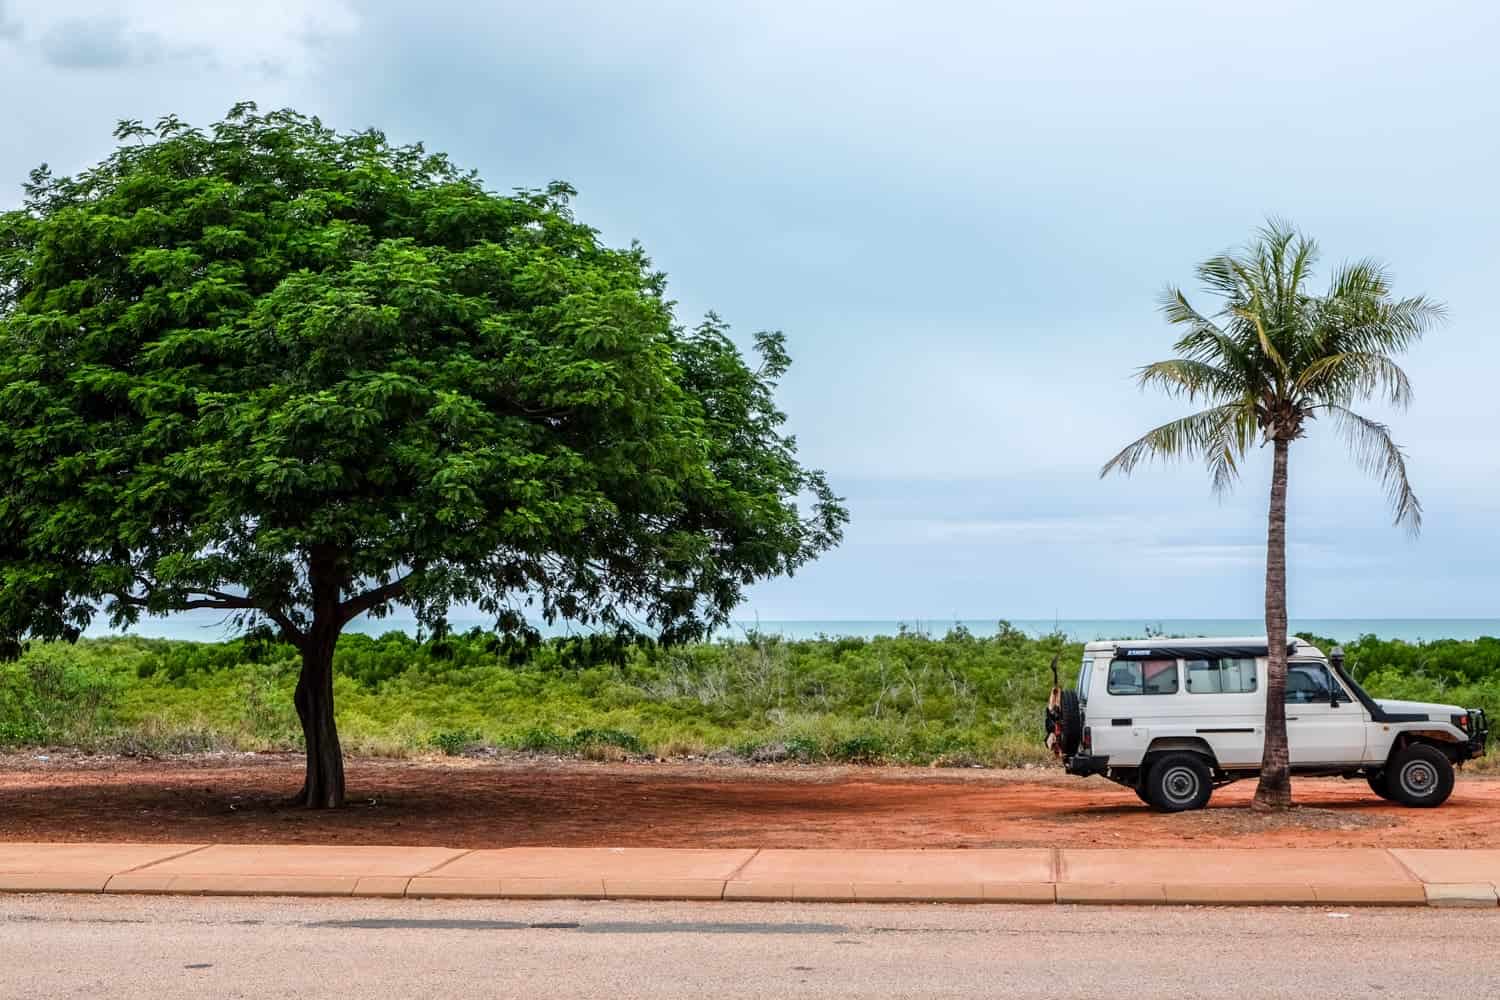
column 166, row 947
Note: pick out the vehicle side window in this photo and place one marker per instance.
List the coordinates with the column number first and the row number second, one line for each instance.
column 1223, row 676
column 1143, row 677
column 1309, row 683
column 1085, row 674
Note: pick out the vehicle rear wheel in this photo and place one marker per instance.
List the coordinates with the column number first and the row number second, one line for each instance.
column 1378, row 784
column 1178, row 782
column 1420, row 776
column 1140, row 793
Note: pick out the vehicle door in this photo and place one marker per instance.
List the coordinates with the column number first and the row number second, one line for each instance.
column 1228, row 707
column 1324, row 724
column 1139, row 701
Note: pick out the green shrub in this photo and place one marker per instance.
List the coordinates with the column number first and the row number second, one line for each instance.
column 50, row 696
column 586, row 738
column 542, row 741
column 21, row 733
column 453, row 742
column 803, row 748
column 860, row 750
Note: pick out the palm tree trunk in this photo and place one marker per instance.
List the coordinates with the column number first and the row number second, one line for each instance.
column 1275, row 789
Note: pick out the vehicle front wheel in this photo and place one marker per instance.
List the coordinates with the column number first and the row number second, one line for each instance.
column 1178, row 782
column 1420, row 776
column 1378, row 784
column 1140, row 793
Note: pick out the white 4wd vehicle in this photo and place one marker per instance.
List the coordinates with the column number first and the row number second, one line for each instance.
column 1173, row 718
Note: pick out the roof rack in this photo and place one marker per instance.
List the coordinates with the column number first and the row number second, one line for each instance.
column 1198, row 650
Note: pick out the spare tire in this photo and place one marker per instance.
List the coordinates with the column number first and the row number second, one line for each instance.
column 1066, row 721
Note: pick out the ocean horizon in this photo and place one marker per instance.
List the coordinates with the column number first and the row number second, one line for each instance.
column 1086, row 629
column 211, row 627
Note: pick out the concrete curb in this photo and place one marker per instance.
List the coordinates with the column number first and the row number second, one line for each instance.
column 1461, row 894
column 1231, row 877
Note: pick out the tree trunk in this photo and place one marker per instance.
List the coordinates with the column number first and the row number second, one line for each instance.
column 1275, row 788
column 323, row 786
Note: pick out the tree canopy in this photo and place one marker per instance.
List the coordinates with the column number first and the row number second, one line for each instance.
column 299, row 375
column 1277, row 356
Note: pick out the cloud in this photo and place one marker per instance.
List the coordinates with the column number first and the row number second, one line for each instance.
column 259, row 39
column 11, row 28
column 78, row 43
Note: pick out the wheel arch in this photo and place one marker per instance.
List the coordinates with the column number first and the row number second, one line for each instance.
column 1179, row 744
column 1444, row 741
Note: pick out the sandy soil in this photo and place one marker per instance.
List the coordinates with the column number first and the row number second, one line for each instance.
column 506, row 802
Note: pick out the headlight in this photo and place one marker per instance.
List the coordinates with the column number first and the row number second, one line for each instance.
column 1461, row 721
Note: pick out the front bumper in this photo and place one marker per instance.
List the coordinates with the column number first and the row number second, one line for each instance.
column 1083, row 764
column 1479, row 732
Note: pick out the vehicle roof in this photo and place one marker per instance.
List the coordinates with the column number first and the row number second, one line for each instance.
column 1196, row 642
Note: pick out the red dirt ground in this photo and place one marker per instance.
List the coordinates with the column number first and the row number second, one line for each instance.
column 525, row 801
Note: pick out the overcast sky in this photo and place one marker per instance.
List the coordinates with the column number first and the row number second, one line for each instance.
column 961, row 215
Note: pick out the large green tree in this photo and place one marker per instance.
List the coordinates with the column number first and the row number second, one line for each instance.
column 1272, row 360
column 298, row 375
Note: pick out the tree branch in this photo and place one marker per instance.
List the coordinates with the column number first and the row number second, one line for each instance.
column 218, row 600
column 289, row 631
column 219, row 595
column 217, row 605
column 212, row 599
column 356, row 606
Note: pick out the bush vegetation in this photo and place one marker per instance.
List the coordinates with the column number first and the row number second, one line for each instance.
column 957, row 700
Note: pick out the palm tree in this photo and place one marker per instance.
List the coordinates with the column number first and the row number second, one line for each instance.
column 1275, row 358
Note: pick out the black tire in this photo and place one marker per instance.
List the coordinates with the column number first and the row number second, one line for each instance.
column 1140, row 793
column 1070, row 715
column 1420, row 776
column 1178, row 782
column 1377, row 783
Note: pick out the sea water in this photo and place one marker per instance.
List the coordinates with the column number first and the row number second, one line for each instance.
column 212, row 627
column 1085, row 629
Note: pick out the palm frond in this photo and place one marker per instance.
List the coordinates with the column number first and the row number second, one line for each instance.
column 1279, row 231
column 1303, row 258
column 1366, row 278
column 1216, row 435
column 1294, row 303
column 1254, row 315
column 1342, row 378
column 1224, row 459
column 1180, row 312
column 1205, row 340
column 1378, row 455
column 1190, row 378
column 1379, row 326
column 1220, row 276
